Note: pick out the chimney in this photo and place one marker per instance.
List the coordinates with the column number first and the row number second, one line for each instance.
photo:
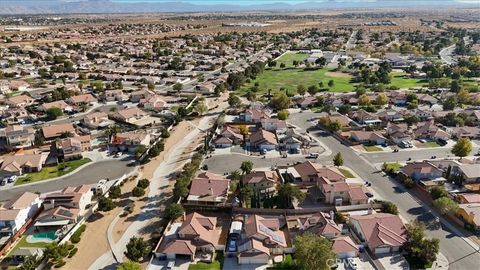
column 210, row 191
column 370, row 210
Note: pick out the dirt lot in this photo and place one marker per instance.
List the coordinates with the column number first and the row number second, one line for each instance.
column 337, row 74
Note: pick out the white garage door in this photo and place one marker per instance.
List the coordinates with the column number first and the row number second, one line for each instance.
column 382, row 250
column 344, row 255
column 246, row 260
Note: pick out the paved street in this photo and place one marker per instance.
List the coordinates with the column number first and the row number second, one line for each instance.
column 90, row 174
column 460, row 252
column 446, row 55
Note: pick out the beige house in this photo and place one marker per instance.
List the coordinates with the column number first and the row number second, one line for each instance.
column 97, row 120
column 262, row 182
column 20, row 164
column 129, row 141
column 20, row 101
column 19, row 137
column 55, row 131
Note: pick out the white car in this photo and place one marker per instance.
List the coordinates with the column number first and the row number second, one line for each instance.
column 12, row 178
column 350, row 264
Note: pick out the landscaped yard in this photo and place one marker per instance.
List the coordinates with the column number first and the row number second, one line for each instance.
column 402, row 82
column 430, row 144
column 217, row 264
column 372, row 148
column 23, row 243
column 52, row 172
column 346, row 173
column 393, row 166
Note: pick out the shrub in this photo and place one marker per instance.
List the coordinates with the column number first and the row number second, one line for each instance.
column 76, row 235
column 138, row 192
column 115, row 192
column 105, row 204
column 389, row 207
column 72, row 252
column 60, row 264
column 408, row 182
column 144, row 183
column 174, row 211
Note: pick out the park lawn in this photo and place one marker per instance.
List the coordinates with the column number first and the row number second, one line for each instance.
column 292, row 77
column 289, row 57
column 372, row 148
column 430, row 144
column 394, row 166
column 217, row 264
column 402, row 82
column 346, row 173
column 52, row 172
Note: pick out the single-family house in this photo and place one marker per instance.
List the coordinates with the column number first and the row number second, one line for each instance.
column 16, row 212
column 20, row 164
column 128, row 141
column 70, row 197
column 208, row 188
column 68, row 148
column 368, row 137
column 57, row 130
column 309, row 172
column 274, row 124
column 19, row 136
column 20, row 101
column 429, row 131
column 381, row 232
column 97, row 120
column 114, row 95
column 423, row 170
column 469, row 213
column 131, row 115
column 82, row 99
column 263, row 140
column 262, row 182
column 153, row 102
column 55, row 104
column 254, row 115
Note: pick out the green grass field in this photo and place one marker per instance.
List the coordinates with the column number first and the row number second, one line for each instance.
column 394, row 166
column 288, row 59
column 290, row 77
column 346, row 173
column 372, row 148
column 52, row 172
column 23, row 243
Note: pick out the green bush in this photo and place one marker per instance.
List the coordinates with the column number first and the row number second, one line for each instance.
column 60, row 264
column 144, row 183
column 105, row 204
column 76, row 235
column 72, row 252
column 138, row 192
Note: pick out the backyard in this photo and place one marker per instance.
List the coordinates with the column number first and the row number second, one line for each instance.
column 22, row 243
column 52, row 171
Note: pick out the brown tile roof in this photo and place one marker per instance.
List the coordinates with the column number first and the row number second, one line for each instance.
column 57, row 130
column 21, row 201
column 257, row 177
column 85, row 98
column 344, row 244
column 178, row 246
column 381, row 229
column 15, row 163
column 309, row 168
column 200, row 226
column 267, row 227
column 262, row 136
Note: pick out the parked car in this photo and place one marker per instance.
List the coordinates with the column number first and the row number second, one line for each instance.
column 3, row 182
column 350, row 264
column 12, row 179
column 205, row 167
column 313, row 155
column 170, row 265
column 369, row 194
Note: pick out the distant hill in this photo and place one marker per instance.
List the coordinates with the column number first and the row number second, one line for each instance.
column 108, row 6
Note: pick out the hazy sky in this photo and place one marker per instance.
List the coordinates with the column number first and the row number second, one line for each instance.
column 258, row 2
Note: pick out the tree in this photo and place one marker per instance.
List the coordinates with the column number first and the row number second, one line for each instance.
column 244, row 194
column 105, row 204
column 445, row 205
column 139, row 150
column 283, row 114
column 30, row 263
column 234, row 101
column 338, row 159
column 463, row 96
column 138, row 192
column 246, row 167
column 129, row 265
column 177, row 87
column 363, row 100
column 314, row 252
column 389, row 207
column 381, row 99
column 201, row 108
column 151, row 86
column 137, row 249
column 438, row 192
column 54, row 113
column 286, row 193
column 462, row 148
column 174, row 211
column 334, row 126
column 115, row 192
column 301, row 90
column 280, row 101
column 450, row 103
column 421, row 251
column 235, row 175
column 331, row 83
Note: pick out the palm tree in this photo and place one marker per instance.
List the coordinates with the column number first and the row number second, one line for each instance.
column 287, row 193
column 112, row 131
column 244, row 194
column 246, row 167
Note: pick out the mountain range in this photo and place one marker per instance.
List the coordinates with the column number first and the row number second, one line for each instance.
column 138, row 6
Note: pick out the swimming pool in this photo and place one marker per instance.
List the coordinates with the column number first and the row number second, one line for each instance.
column 42, row 237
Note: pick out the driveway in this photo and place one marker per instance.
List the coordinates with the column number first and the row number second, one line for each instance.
column 90, row 174
column 230, row 263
